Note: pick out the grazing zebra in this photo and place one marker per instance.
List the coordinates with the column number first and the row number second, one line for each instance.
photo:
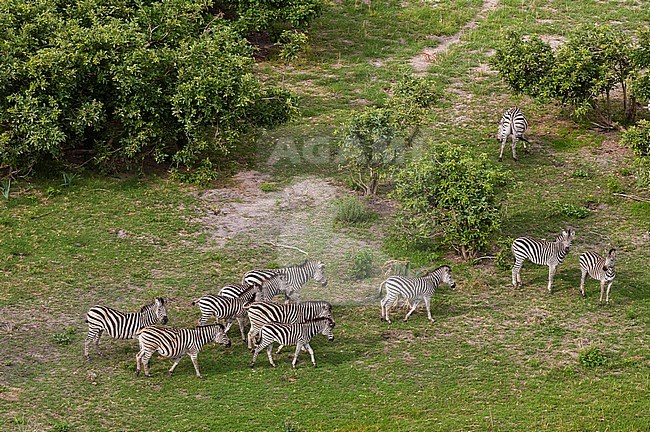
column 121, row 325
column 174, row 343
column 296, row 277
column 260, row 313
column 599, row 268
column 293, row 334
column 414, row 289
column 227, row 308
column 541, row 252
column 268, row 289
column 513, row 123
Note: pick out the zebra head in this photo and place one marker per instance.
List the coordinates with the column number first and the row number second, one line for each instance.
column 446, row 277
column 328, row 328
column 159, row 310
column 319, row 274
column 221, row 337
column 610, row 260
column 566, row 238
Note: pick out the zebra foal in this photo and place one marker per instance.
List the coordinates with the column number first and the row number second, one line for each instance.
column 599, row 268
column 261, row 313
column 295, row 277
column 227, row 308
column 120, row 325
column 268, row 288
column 293, row 334
column 513, row 123
column 174, row 343
column 414, row 289
column 541, row 252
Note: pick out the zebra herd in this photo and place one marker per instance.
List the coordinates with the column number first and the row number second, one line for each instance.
column 290, row 323
column 296, row 322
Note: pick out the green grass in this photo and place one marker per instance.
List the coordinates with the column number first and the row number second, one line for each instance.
column 493, row 360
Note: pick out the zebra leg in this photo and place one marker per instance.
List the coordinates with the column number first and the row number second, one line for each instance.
column 415, row 304
column 204, row 318
column 176, row 361
column 144, row 359
column 516, row 277
column 269, row 353
column 92, row 337
column 242, row 323
column 228, row 325
column 311, row 353
column 138, row 362
column 514, row 147
column 608, row 287
column 602, row 291
column 503, row 144
column 551, row 273
column 582, row 283
column 427, row 303
column 252, row 333
column 195, row 362
column 389, row 302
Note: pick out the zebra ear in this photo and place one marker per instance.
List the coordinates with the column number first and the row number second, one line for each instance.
column 160, row 300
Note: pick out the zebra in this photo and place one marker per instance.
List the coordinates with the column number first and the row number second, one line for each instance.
column 260, row 313
column 227, row 308
column 174, row 343
column 121, row 325
column 414, row 288
column 541, row 252
column 512, row 123
column 296, row 277
column 299, row 334
column 268, row 289
column 599, row 268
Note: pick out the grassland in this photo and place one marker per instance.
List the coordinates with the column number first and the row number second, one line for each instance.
column 493, row 360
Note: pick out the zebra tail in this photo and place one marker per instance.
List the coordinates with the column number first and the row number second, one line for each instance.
column 524, row 139
column 381, row 285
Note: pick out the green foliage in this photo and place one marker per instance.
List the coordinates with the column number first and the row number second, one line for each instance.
column 592, row 357
column 202, row 174
column 451, row 196
column 504, row 257
column 62, row 427
column 352, row 211
column 371, row 143
column 269, row 187
column 523, row 64
column 5, row 188
column 68, row 178
column 65, row 337
column 127, row 80
column 638, row 138
column 560, row 208
column 292, row 43
column 593, row 62
column 410, row 97
column 580, row 174
column 360, row 264
column 642, row 168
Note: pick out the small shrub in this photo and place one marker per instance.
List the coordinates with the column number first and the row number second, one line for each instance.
column 504, row 258
column 580, row 174
column 269, row 187
column 64, row 338
column 569, row 210
column 292, row 43
column 361, row 264
column 352, row 211
column 592, row 357
column 68, row 178
column 5, row 188
column 202, row 175
column 642, row 169
column 614, row 185
column 638, row 138
column 62, row 427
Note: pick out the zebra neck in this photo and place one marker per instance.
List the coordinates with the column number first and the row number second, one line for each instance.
column 147, row 318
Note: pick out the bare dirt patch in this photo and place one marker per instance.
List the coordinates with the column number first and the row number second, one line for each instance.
column 429, row 55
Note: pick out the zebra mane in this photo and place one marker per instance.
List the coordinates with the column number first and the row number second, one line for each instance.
column 319, row 319
column 436, row 270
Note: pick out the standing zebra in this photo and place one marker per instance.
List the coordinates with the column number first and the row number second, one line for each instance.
column 541, row 252
column 227, row 308
column 175, row 343
column 513, row 123
column 296, row 277
column 293, row 334
column 268, row 289
column 599, row 268
column 260, row 313
column 121, row 325
column 414, row 289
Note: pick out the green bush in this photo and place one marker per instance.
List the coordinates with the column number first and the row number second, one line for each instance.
column 64, row 338
column 568, row 210
column 504, row 258
column 360, row 264
column 450, row 196
column 642, row 168
column 592, row 357
column 352, row 211
column 638, row 138
column 370, row 144
column 123, row 80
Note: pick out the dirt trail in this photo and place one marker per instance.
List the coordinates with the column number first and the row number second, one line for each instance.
column 421, row 61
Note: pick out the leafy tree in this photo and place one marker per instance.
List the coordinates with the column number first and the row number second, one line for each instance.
column 450, row 196
column 119, row 80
